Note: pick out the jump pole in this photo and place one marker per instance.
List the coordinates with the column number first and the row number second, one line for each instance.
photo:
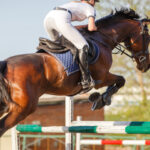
column 114, row 142
column 68, row 135
column 78, row 136
column 14, row 139
column 80, row 141
column 69, row 111
column 85, row 129
column 121, row 127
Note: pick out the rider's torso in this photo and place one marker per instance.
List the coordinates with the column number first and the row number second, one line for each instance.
column 80, row 11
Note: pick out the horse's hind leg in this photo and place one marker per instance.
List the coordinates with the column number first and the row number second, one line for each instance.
column 17, row 112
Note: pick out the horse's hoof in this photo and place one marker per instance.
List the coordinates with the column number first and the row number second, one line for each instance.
column 98, row 105
column 97, row 101
column 94, row 97
column 107, row 100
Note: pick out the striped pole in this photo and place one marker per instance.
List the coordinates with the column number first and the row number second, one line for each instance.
column 86, row 129
column 114, row 142
column 110, row 123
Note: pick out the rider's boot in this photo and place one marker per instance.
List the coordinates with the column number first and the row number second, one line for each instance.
column 87, row 82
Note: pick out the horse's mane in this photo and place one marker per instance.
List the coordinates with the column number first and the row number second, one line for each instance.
column 126, row 13
column 123, row 13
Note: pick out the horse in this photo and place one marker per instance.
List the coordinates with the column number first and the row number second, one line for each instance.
column 24, row 78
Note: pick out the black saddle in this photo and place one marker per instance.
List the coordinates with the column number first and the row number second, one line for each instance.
column 62, row 46
column 47, row 46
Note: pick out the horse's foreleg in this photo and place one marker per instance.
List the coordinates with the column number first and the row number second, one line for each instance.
column 114, row 83
column 113, row 89
column 16, row 113
column 10, row 119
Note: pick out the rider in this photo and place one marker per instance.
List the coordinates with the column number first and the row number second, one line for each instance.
column 58, row 21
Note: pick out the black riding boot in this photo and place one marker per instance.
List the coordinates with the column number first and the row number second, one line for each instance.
column 87, row 81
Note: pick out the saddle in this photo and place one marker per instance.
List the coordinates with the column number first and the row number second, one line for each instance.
column 45, row 45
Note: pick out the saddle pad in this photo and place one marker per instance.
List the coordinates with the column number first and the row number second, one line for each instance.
column 66, row 59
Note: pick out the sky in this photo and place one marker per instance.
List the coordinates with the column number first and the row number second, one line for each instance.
column 21, row 24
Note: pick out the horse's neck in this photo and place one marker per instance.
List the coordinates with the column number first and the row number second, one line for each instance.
column 111, row 35
column 118, row 32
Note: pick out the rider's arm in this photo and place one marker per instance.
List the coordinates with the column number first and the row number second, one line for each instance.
column 91, row 24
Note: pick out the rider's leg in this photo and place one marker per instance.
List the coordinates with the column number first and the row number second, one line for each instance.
column 62, row 24
column 56, row 41
column 49, row 26
column 74, row 36
column 87, row 81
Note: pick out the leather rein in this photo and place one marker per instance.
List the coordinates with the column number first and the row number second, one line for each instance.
column 144, row 30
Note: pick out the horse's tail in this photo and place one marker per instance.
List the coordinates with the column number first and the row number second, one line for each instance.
column 5, row 99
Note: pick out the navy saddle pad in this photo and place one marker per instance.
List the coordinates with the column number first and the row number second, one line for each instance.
column 66, row 59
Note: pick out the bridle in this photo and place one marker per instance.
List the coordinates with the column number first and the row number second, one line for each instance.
column 139, row 55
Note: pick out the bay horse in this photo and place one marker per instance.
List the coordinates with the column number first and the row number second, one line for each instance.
column 24, row 78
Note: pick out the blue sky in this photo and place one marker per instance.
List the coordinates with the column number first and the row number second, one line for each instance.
column 21, row 24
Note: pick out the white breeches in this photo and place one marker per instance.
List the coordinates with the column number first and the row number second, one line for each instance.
column 59, row 22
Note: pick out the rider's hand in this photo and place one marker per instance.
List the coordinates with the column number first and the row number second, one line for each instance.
column 95, row 28
column 91, row 24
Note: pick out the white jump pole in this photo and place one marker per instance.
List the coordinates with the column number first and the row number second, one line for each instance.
column 69, row 118
column 14, row 139
column 78, row 136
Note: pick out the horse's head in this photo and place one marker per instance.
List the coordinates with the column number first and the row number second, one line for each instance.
column 125, row 26
column 138, row 42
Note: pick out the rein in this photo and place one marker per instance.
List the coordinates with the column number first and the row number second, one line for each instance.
column 120, row 46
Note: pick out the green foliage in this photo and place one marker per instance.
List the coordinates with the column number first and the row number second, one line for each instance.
column 130, row 112
column 106, row 6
